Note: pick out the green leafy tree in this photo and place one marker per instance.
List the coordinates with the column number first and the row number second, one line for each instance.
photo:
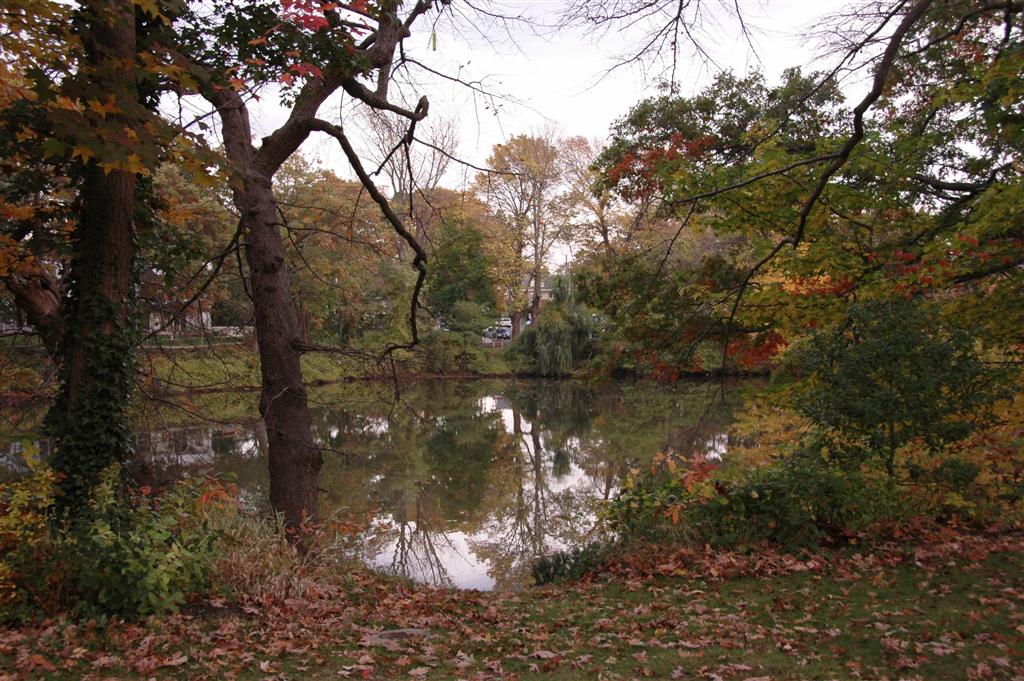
column 461, row 270
column 892, row 375
column 912, row 190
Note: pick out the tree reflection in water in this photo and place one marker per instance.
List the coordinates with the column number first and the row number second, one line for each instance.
column 466, row 483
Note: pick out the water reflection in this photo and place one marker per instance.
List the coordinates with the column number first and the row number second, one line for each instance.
column 465, row 484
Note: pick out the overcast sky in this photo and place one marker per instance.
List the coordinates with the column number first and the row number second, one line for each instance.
column 560, row 79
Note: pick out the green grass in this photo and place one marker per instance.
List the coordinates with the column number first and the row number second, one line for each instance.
column 902, row 622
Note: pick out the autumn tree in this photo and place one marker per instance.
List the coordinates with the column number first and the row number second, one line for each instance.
column 896, row 195
column 341, row 252
column 671, row 299
column 81, row 137
column 229, row 49
column 599, row 218
column 35, row 193
column 522, row 190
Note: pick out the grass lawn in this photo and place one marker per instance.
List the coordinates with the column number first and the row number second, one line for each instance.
column 953, row 610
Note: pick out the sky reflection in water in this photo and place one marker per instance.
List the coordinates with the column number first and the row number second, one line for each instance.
column 465, row 483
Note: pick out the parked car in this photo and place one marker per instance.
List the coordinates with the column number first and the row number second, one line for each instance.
column 498, row 333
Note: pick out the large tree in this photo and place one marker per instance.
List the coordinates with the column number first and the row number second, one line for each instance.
column 600, row 219
column 912, row 190
column 229, row 49
column 522, row 191
column 80, row 136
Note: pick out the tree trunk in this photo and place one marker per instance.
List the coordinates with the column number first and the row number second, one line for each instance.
column 294, row 460
column 538, row 255
column 89, row 418
column 538, row 487
column 535, row 301
column 37, row 295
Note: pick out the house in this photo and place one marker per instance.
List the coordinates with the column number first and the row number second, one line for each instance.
column 546, row 286
column 164, row 313
column 168, row 319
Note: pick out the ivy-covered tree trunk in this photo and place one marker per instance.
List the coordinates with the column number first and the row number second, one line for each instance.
column 88, row 421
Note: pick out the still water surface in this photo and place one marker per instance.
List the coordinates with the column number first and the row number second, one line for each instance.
column 465, row 484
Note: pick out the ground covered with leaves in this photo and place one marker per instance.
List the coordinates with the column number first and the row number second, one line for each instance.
column 945, row 606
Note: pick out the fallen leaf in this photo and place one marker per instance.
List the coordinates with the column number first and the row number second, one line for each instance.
column 175, row 660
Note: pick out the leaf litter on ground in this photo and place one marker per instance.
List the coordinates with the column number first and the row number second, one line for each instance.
column 946, row 605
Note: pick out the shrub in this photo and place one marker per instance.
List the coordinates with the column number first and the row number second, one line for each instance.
column 456, row 348
column 145, row 555
column 658, row 505
column 129, row 555
column 569, row 565
column 561, row 337
column 798, row 502
column 891, row 375
column 795, row 502
column 31, row 577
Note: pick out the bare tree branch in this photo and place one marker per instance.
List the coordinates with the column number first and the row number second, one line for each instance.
column 420, row 260
column 892, row 49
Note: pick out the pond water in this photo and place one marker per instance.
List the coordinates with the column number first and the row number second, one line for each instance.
column 464, row 484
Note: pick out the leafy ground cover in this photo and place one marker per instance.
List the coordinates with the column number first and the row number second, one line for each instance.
column 942, row 606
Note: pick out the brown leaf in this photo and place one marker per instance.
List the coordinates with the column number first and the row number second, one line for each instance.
column 175, row 660
column 105, row 661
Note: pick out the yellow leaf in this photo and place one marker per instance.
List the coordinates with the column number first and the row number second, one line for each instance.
column 134, row 164
column 83, row 153
column 68, row 104
column 104, row 108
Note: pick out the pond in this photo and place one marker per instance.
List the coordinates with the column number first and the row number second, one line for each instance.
column 462, row 484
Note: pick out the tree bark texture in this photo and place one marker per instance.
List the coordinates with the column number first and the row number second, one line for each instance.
column 293, row 459
column 37, row 295
column 89, row 418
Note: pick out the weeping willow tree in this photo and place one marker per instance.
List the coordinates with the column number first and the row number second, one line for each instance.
column 561, row 337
